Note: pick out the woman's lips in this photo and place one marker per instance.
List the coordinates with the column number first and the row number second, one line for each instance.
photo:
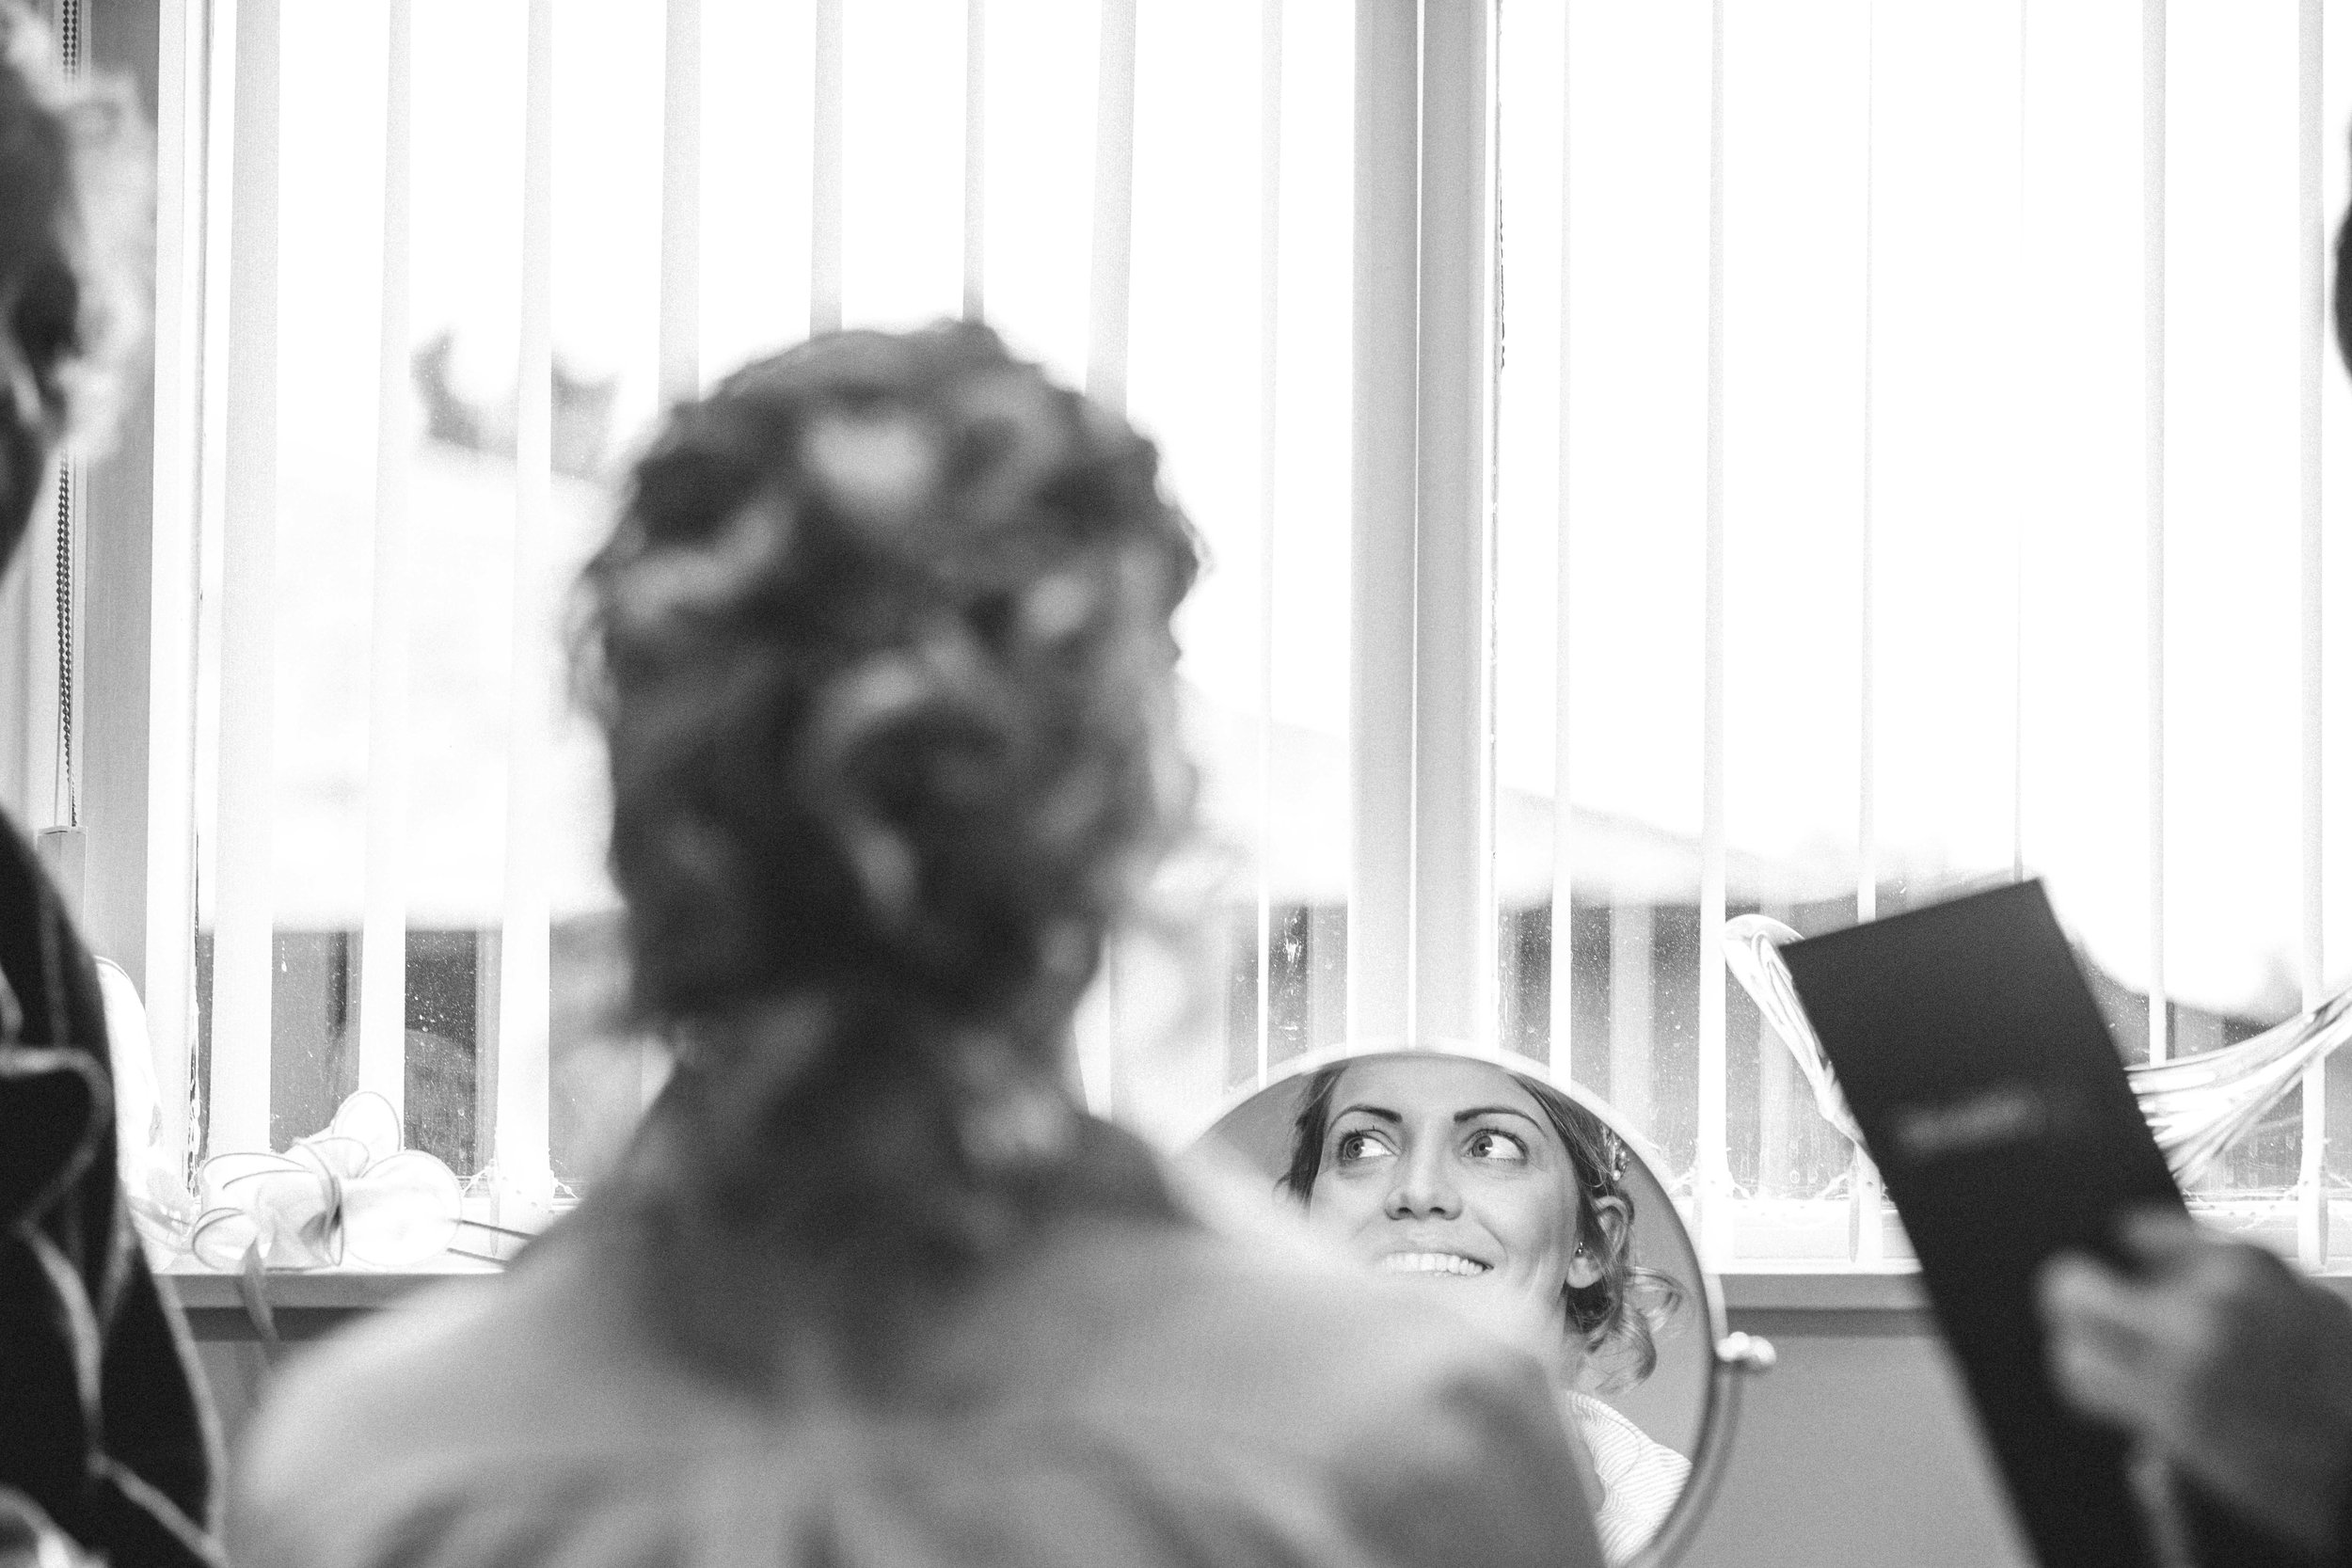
column 1434, row 1263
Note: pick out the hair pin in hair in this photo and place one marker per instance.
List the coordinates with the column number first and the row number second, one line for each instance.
column 1613, row 1147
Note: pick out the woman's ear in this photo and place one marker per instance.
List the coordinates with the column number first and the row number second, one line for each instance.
column 1586, row 1270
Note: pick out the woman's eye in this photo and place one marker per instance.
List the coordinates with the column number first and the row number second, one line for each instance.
column 1486, row 1143
column 1354, row 1147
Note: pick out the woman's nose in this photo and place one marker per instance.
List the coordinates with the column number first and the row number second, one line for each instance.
column 1422, row 1190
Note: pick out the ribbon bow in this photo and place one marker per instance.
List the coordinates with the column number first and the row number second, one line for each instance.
column 350, row 1193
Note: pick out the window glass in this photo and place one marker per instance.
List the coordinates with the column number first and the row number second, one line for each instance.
column 1937, row 653
column 1936, row 433
column 1250, row 407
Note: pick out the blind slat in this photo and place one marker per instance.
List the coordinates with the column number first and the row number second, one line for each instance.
column 243, row 911
column 179, row 217
column 824, row 217
column 1109, row 284
column 1713, row 1183
column 1562, row 1043
column 1382, row 486
column 2311, row 1229
column 1269, row 494
column 1113, row 268
column 2151, row 89
column 2019, row 317
column 1866, row 826
column 384, row 941
column 975, row 160
column 1452, row 909
column 679, row 352
column 1866, row 1213
column 520, row 1095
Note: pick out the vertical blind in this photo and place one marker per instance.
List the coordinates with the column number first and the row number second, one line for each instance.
column 1659, row 463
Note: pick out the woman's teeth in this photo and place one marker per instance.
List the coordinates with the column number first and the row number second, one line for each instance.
column 1433, row 1263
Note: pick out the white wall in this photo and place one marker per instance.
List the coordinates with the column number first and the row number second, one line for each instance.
column 1858, row 1448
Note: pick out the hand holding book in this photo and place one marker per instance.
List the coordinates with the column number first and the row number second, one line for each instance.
column 2214, row 1354
column 2155, row 1392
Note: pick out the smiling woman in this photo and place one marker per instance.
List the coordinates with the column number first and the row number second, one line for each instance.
column 1500, row 1188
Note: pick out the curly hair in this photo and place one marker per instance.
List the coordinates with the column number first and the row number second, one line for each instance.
column 76, row 179
column 1617, row 1317
column 881, row 647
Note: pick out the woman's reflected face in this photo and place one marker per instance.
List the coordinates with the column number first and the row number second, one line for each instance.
column 1449, row 1169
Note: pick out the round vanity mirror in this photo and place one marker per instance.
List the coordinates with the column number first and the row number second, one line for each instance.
column 1527, row 1208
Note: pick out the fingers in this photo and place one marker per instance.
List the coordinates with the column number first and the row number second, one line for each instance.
column 2215, row 1355
column 2195, row 1275
column 2176, row 1264
column 2144, row 1349
column 2158, row 1235
column 2084, row 1299
column 2110, row 1338
column 2104, row 1378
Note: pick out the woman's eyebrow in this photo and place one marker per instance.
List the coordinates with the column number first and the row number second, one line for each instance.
column 1477, row 1110
column 1383, row 1114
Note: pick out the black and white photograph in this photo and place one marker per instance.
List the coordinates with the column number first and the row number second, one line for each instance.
column 1175, row 784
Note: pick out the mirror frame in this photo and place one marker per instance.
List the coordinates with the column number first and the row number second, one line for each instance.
column 1731, row 1358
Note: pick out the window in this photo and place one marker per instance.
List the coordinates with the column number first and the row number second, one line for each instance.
column 1965, row 539
column 1843, row 450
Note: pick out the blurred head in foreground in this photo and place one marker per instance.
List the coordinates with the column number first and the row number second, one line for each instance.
column 1478, row 1179
column 881, row 647
column 107, row 1439
column 76, row 184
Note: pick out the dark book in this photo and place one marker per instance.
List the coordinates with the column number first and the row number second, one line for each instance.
column 1995, row 1102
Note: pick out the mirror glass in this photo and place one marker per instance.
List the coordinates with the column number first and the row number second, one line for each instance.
column 1524, row 1207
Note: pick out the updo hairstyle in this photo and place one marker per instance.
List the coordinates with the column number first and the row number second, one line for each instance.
column 880, row 644
column 1617, row 1317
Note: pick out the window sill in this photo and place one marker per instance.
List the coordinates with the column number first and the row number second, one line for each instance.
column 1811, row 1299
column 1818, row 1300
column 305, row 1306
column 1792, row 1301
column 1800, row 1300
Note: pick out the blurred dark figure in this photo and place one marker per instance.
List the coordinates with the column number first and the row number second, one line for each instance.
column 2227, row 1365
column 881, row 645
column 103, row 1429
column 2223, row 1363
